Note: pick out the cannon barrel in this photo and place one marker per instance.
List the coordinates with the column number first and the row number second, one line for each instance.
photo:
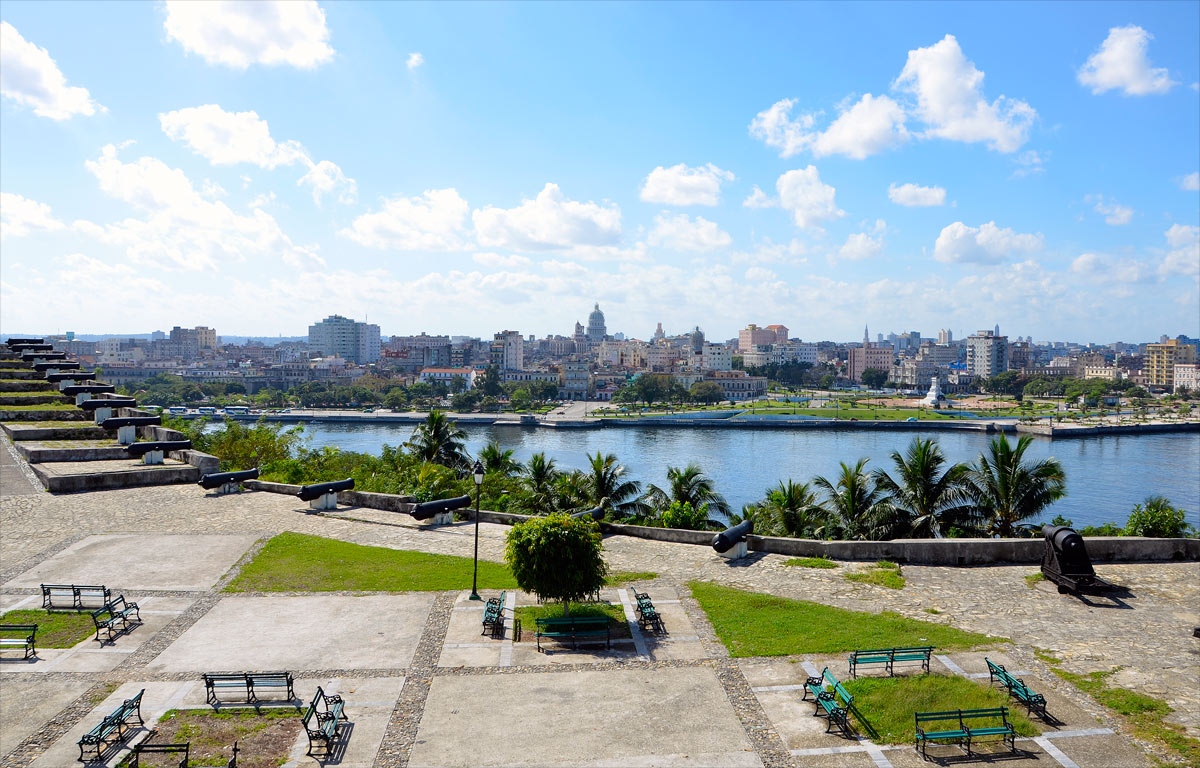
column 31, row 347
column 54, row 378
column 56, row 365
column 23, row 340
column 139, row 449
column 595, row 514
column 94, row 403
column 317, row 490
column 725, row 540
column 38, row 354
column 427, row 509
column 131, row 421
column 217, row 479
column 79, row 389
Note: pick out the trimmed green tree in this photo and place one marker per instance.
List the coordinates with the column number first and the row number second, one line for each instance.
column 557, row 558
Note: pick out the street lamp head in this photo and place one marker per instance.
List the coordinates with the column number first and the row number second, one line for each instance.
column 477, row 473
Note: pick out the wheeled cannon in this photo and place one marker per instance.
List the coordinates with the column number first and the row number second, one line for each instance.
column 1065, row 561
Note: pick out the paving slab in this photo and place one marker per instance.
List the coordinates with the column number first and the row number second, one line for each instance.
column 271, row 632
column 184, row 562
column 27, row 705
column 73, row 476
column 662, row 717
column 89, row 655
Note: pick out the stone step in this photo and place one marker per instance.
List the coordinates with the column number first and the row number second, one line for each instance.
column 25, row 385
column 44, row 397
column 36, row 413
column 24, row 374
column 43, row 451
column 72, row 476
column 53, row 430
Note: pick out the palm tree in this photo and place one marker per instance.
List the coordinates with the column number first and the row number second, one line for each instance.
column 1006, row 489
column 926, row 499
column 540, row 478
column 439, row 441
column 572, row 491
column 852, row 502
column 688, row 485
column 496, row 460
column 791, row 509
column 606, row 480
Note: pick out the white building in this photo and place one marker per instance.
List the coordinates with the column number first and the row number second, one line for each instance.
column 342, row 337
column 1187, row 375
column 987, row 354
column 717, row 357
column 508, row 351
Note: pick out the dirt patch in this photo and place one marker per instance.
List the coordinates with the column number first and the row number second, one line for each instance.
column 264, row 737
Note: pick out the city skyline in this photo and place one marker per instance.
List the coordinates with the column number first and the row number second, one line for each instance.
column 463, row 169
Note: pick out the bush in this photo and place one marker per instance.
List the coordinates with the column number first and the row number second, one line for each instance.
column 1158, row 519
column 557, row 557
column 681, row 514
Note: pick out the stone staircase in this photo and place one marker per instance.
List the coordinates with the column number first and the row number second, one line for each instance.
column 67, row 450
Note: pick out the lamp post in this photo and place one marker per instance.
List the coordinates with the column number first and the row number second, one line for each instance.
column 477, row 474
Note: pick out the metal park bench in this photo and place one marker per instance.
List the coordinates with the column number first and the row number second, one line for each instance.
column 113, row 729
column 114, row 617
column 324, row 495
column 25, row 634
column 647, row 614
column 1035, row 702
column 964, row 733
column 826, row 700
column 250, row 682
column 493, row 615
column 322, row 724
column 889, row 656
column 574, row 628
column 75, row 593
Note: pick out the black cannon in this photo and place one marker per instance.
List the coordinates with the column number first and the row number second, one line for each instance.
column 733, row 536
column 90, row 389
column 428, row 509
column 153, row 453
column 227, row 482
column 108, row 402
column 55, row 378
column 31, row 347
column 23, row 340
column 56, row 365
column 48, row 354
column 1065, row 561
column 596, row 514
column 131, row 421
column 324, row 495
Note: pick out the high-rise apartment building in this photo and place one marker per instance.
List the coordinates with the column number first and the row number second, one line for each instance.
column 878, row 356
column 1161, row 359
column 508, row 351
column 987, row 354
column 338, row 336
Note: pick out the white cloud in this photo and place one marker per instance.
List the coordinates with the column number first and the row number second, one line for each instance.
column 759, row 275
column 548, row 222
column 435, row 221
column 949, row 99
column 180, row 228
column 915, row 196
column 1121, row 63
column 770, row 252
column 1088, row 263
column 1184, row 256
column 20, row 216
column 870, row 126
column 681, row 233
column 238, row 33
column 987, row 244
column 30, row 77
column 681, row 185
column 863, row 245
column 1191, row 182
column 806, row 197
column 415, row 59
column 229, row 138
column 1028, row 163
column 496, row 260
column 1114, row 213
column 760, row 199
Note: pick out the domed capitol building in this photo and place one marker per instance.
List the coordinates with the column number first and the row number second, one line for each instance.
column 595, row 326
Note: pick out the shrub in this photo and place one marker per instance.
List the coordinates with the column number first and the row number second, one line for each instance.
column 1157, row 518
column 557, row 557
column 683, row 515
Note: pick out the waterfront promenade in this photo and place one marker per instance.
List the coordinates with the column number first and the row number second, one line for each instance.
column 433, row 693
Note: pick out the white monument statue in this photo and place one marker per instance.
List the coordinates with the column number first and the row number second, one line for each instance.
column 935, row 396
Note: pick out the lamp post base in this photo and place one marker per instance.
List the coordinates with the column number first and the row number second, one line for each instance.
column 474, row 596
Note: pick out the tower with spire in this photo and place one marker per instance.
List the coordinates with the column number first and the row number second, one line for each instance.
column 866, row 336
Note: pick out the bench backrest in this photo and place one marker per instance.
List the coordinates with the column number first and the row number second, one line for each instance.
column 572, row 622
column 931, row 717
column 19, row 628
column 117, row 605
column 836, row 686
column 130, row 705
column 977, row 714
column 923, row 650
column 269, row 677
column 310, row 714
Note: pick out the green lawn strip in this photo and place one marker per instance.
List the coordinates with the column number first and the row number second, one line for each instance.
column 884, row 706
column 754, row 624
column 1033, row 579
column 619, row 578
column 265, row 736
column 1145, row 714
column 884, row 574
column 56, row 629
column 34, row 393
column 528, row 615
column 38, row 406
column 810, row 562
column 302, row 563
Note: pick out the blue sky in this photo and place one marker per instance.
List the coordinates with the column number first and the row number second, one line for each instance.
column 466, row 168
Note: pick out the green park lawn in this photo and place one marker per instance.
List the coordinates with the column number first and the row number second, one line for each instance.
column 810, row 562
column 265, row 736
column 528, row 615
column 884, row 706
column 754, row 624
column 55, row 629
column 883, row 574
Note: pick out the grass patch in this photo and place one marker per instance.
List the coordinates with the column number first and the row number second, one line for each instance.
column 301, row 563
column 934, row 611
column 528, row 615
column 264, row 737
column 617, row 578
column 810, row 562
column 754, row 624
column 35, row 393
column 884, row 706
column 1033, row 579
column 39, row 407
column 885, row 573
column 56, row 629
column 1144, row 714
